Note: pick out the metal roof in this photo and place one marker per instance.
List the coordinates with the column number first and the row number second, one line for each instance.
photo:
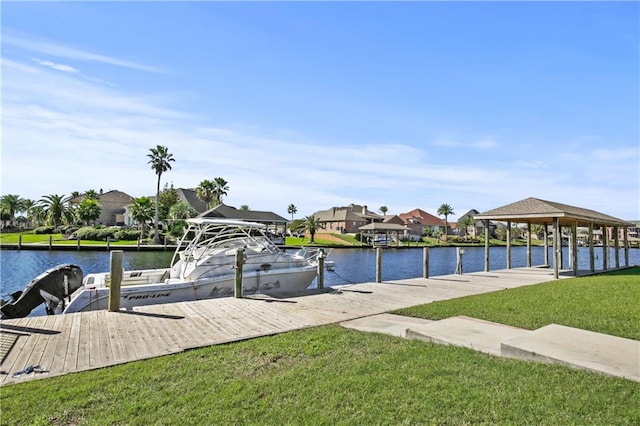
column 536, row 211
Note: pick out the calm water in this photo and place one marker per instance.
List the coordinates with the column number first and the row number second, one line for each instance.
column 19, row 267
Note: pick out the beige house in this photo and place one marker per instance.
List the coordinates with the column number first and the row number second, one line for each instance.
column 113, row 204
column 346, row 220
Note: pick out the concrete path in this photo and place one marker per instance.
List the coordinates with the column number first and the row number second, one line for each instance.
column 611, row 355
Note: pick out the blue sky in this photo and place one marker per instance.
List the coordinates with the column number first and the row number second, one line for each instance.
column 407, row 105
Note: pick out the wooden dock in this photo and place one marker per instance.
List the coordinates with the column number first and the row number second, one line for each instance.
column 62, row 344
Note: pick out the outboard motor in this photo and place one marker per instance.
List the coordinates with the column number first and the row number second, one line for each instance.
column 50, row 287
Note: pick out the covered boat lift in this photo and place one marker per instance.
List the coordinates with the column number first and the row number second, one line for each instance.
column 384, row 227
column 535, row 211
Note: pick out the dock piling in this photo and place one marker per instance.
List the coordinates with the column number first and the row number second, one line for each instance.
column 115, row 270
column 237, row 291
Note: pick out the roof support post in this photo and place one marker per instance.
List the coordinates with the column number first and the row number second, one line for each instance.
column 557, row 246
column 592, row 260
column 574, row 248
column 626, row 245
column 529, row 245
column 545, row 233
column 616, row 242
column 486, row 246
column 508, row 244
column 605, row 248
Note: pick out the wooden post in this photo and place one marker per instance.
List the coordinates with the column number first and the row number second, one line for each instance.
column 605, row 248
column 321, row 269
column 379, row 264
column 557, row 247
column 574, row 248
column 425, row 262
column 138, row 244
column 237, row 291
column 529, row 245
column 165, row 243
column 77, row 243
column 486, row 246
column 616, row 242
column 115, row 271
column 459, row 253
column 545, row 235
column 108, row 243
column 625, row 238
column 20, row 241
column 50, row 241
column 508, row 245
column 592, row 257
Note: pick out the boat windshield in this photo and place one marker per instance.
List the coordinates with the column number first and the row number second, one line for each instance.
column 202, row 238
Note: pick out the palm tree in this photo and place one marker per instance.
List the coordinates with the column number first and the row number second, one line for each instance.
column 220, row 189
column 91, row 194
column 88, row 210
column 10, row 204
column 57, row 209
column 142, row 212
column 292, row 209
column 445, row 210
column 244, row 208
column 465, row 223
column 206, row 192
column 384, row 210
column 160, row 160
column 311, row 224
column 27, row 208
column 181, row 210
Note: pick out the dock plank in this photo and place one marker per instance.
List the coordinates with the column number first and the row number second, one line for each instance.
column 76, row 342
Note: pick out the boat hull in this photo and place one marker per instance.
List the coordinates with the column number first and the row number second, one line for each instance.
column 281, row 282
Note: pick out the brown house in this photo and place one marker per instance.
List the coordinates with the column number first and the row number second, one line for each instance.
column 419, row 221
column 346, row 220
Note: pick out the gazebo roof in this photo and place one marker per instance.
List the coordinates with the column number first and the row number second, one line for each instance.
column 536, row 211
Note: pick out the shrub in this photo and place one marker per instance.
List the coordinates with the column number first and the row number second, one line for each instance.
column 67, row 229
column 43, row 230
column 109, row 232
column 87, row 233
column 127, row 234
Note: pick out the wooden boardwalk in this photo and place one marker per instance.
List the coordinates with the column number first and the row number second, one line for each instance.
column 62, row 344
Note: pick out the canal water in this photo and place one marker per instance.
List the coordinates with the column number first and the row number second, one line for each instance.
column 19, row 267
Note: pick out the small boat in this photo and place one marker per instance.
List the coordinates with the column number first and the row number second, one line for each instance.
column 203, row 267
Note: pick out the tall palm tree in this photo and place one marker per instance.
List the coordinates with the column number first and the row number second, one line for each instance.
column 220, row 189
column 206, row 192
column 311, row 224
column 160, row 160
column 445, row 210
column 292, row 209
column 58, row 209
column 27, row 208
column 384, row 210
column 142, row 212
column 10, row 204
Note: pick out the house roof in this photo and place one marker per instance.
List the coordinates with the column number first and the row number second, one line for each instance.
column 189, row 195
column 352, row 212
column 421, row 217
column 227, row 212
column 536, row 211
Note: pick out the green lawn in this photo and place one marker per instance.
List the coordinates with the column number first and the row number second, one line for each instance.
column 330, row 375
column 607, row 303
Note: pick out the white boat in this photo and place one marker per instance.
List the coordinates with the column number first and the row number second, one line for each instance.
column 202, row 267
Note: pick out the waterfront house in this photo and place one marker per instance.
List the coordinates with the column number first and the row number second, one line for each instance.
column 346, row 220
column 419, row 222
column 113, row 206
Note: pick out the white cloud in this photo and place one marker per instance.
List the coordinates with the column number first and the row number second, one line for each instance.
column 60, row 51
column 55, row 66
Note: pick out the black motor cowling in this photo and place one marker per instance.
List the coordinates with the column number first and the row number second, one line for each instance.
column 51, row 287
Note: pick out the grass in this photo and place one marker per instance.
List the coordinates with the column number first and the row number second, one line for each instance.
column 330, row 375
column 605, row 303
column 56, row 239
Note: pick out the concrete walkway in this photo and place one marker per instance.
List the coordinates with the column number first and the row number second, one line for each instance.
column 611, row 355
